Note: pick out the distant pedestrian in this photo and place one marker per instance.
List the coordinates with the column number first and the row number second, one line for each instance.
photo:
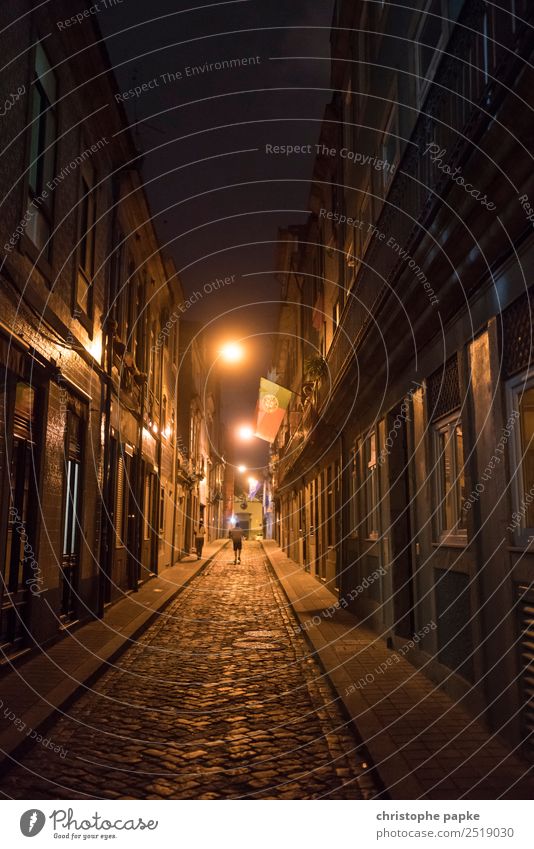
column 199, row 538
column 236, row 535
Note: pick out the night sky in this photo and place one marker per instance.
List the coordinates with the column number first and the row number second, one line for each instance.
column 216, row 195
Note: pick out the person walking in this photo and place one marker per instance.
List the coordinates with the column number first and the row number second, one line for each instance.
column 199, row 538
column 236, row 535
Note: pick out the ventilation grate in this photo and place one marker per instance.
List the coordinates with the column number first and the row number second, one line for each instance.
column 444, row 390
column 517, row 334
column 525, row 609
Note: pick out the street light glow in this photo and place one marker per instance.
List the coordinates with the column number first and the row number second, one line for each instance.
column 245, row 432
column 252, row 482
column 241, row 469
column 231, row 352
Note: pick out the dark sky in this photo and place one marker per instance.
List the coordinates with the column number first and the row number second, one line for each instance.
column 216, row 195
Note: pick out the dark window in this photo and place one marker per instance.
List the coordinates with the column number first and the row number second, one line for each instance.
column 86, row 246
column 43, row 130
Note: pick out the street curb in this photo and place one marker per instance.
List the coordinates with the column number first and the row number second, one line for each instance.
column 404, row 784
column 41, row 716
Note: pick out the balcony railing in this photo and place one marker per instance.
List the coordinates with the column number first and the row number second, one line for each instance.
column 294, row 448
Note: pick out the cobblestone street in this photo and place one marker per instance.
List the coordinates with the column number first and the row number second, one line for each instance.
column 218, row 700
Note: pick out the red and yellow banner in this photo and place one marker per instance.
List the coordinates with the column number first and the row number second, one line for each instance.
column 272, row 405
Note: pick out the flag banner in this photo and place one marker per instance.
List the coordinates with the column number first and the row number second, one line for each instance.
column 272, row 405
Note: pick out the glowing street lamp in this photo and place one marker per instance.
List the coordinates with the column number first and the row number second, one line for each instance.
column 245, row 433
column 231, row 352
column 241, row 469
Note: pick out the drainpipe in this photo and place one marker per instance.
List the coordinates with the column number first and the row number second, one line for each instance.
column 158, row 518
column 109, row 328
column 175, row 449
column 138, row 532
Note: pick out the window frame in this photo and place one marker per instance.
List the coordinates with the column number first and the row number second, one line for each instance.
column 371, row 478
column 447, row 425
column 87, row 178
column 392, row 121
column 423, row 85
column 41, row 255
column 523, row 535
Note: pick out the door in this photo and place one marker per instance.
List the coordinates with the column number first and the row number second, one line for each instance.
column 72, row 510
column 20, row 572
column 149, row 531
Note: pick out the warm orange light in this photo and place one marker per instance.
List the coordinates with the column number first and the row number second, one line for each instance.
column 241, row 469
column 245, row 432
column 231, row 352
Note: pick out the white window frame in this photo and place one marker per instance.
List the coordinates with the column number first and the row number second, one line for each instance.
column 372, row 484
column 523, row 535
column 354, row 491
column 454, row 535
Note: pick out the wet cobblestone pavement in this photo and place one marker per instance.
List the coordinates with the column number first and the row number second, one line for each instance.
column 217, row 700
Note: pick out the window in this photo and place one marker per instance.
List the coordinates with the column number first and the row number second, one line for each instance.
column 163, row 427
column 119, row 503
column 348, row 128
column 353, row 498
column 390, row 146
column 148, row 506
column 526, row 412
column 371, row 485
column 450, row 478
column 521, row 401
column 335, row 316
column 71, row 510
column 119, row 292
column 431, row 41
column 161, row 511
column 21, row 452
column 43, row 129
column 330, row 518
column 86, row 244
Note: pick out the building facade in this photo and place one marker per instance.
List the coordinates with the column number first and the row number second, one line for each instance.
column 402, row 473
column 93, row 445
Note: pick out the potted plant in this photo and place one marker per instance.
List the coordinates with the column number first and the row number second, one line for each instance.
column 315, row 368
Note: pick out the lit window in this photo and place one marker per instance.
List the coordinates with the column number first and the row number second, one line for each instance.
column 450, row 478
column 371, row 486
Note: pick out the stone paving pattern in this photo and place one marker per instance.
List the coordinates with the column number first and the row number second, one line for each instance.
column 218, row 699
